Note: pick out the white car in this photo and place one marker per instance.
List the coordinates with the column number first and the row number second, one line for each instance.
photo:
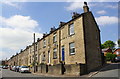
column 24, row 69
column 13, row 68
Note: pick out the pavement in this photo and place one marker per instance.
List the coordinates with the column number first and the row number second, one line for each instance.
column 111, row 70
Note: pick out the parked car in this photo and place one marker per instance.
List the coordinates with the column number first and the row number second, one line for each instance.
column 24, row 69
column 5, row 67
column 13, row 68
column 1, row 66
column 117, row 59
column 8, row 67
column 17, row 68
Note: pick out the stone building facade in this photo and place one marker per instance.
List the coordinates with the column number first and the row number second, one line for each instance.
column 73, row 43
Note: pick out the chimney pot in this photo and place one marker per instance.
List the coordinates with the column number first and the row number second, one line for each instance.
column 85, row 7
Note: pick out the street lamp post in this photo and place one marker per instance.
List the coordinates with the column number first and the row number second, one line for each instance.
column 34, row 54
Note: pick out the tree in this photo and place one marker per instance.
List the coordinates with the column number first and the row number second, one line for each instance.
column 102, row 46
column 107, row 44
column 118, row 42
column 110, row 56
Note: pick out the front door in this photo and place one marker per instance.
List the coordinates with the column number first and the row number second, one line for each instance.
column 63, row 53
column 49, row 57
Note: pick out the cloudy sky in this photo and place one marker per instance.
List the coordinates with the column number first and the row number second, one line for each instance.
column 19, row 20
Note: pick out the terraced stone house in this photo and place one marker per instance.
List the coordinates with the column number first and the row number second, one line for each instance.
column 74, row 42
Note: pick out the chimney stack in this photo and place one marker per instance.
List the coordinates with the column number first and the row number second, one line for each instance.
column 52, row 29
column 85, row 7
column 38, row 39
column 44, row 34
column 61, row 24
column 75, row 14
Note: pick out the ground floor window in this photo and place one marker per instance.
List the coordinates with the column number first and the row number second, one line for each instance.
column 43, row 57
column 72, row 48
column 54, row 53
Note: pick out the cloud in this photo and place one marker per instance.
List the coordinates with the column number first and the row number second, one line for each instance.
column 106, row 20
column 22, row 22
column 101, row 12
column 17, row 32
column 10, row 3
column 19, row 22
column 77, row 4
column 92, row 0
column 13, row 3
column 3, row 55
column 74, row 6
column 17, row 38
column 112, row 6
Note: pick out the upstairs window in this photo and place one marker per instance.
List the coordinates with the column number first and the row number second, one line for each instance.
column 48, row 40
column 32, row 48
column 30, row 59
column 29, row 50
column 36, row 47
column 54, row 38
column 44, row 43
column 71, row 29
column 43, row 57
column 72, row 48
column 54, row 53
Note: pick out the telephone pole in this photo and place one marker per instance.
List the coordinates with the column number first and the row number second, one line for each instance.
column 34, row 55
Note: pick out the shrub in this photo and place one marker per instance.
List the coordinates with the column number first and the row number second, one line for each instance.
column 110, row 56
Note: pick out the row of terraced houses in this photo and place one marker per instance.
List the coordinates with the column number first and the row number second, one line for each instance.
column 75, row 44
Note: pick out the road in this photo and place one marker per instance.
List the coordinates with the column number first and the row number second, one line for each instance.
column 8, row 73
column 112, row 70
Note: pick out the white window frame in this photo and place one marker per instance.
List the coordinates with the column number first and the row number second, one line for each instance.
column 43, row 56
column 54, row 38
column 71, row 29
column 55, row 53
column 44, row 43
column 72, row 48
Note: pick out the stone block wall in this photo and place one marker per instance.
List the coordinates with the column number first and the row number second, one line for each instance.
column 32, row 69
column 92, row 42
column 56, row 69
column 43, row 68
column 60, row 69
column 39, row 69
column 75, row 69
column 72, row 69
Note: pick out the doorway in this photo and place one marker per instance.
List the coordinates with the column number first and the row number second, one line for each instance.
column 63, row 53
column 48, row 57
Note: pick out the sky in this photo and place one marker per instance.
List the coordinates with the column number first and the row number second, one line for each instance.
column 19, row 20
